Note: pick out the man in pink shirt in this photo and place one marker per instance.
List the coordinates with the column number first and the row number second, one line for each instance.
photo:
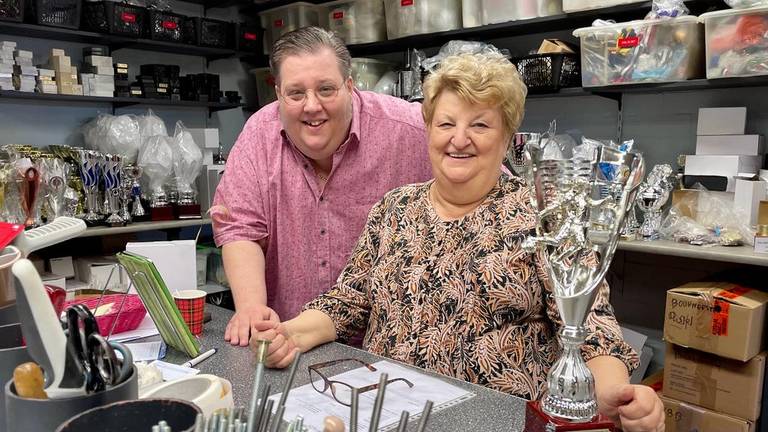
column 303, row 175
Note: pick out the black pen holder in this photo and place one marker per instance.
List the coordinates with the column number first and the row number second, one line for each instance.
column 136, row 415
column 12, row 353
column 45, row 415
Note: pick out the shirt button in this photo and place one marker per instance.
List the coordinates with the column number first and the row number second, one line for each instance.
column 322, row 231
column 323, row 263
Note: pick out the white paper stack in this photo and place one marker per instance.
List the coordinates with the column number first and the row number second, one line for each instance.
column 24, row 72
column 6, row 65
column 46, row 81
column 99, row 75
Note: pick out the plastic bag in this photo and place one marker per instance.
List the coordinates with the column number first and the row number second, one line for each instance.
column 151, row 125
column 187, row 162
column 662, row 9
column 745, row 4
column 457, row 47
column 114, row 135
column 156, row 159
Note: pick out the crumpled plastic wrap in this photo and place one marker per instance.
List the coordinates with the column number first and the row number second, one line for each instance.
column 151, row 125
column 715, row 222
column 737, row 44
column 187, row 160
column 457, row 47
column 662, row 9
column 114, row 135
column 745, row 4
column 156, row 159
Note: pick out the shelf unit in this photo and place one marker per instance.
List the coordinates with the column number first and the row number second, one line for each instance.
column 735, row 254
column 145, row 226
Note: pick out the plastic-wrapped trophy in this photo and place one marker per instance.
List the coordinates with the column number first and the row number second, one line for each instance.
column 187, row 162
column 156, row 159
column 651, row 197
column 113, row 167
column 29, row 186
column 581, row 203
column 55, row 174
column 89, row 173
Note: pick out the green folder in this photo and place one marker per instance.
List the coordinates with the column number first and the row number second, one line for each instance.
column 159, row 303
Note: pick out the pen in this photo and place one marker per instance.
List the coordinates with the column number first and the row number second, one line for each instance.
column 199, row 358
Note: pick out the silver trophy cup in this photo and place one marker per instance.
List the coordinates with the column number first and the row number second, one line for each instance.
column 651, row 197
column 581, row 205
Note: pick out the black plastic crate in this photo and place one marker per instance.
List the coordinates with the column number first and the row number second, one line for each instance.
column 12, row 10
column 114, row 18
column 166, row 26
column 544, row 73
column 56, row 13
column 213, row 33
column 190, row 31
column 248, row 38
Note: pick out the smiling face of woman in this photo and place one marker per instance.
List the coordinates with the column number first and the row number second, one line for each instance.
column 467, row 144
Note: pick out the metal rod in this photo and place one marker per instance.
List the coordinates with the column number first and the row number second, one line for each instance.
column 403, row 422
column 199, row 423
column 120, row 309
column 424, row 417
column 261, row 358
column 291, row 376
column 353, row 408
column 277, row 419
column 378, row 403
column 264, row 423
column 262, row 405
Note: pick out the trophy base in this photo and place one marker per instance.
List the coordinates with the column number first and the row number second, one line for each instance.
column 187, row 211
column 537, row 421
column 161, row 213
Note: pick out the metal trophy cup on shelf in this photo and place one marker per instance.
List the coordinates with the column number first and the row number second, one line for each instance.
column 113, row 166
column 577, row 229
column 89, row 172
column 651, row 197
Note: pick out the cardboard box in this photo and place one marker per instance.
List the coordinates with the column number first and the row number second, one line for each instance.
column 751, row 145
column 722, row 165
column 747, row 197
column 207, row 183
column 62, row 266
column 683, row 417
column 717, row 317
column 205, row 137
column 690, row 202
column 97, row 273
column 722, row 121
column 728, row 386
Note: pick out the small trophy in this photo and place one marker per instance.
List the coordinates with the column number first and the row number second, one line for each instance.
column 187, row 162
column 651, row 197
column 581, row 204
column 156, row 158
column 133, row 172
column 29, row 186
column 113, row 166
column 89, row 172
column 515, row 159
column 54, row 176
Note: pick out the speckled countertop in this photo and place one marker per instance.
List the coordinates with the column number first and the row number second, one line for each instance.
column 487, row 411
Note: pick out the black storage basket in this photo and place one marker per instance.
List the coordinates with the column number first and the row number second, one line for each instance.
column 190, row 31
column 166, row 26
column 12, row 10
column 545, row 73
column 248, row 38
column 213, row 33
column 56, row 13
column 114, row 18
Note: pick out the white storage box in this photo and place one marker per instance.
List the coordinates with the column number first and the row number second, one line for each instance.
column 265, row 85
column 281, row 20
column 499, row 11
column 471, row 13
column 357, row 21
column 367, row 72
column 581, row 5
column 641, row 51
column 722, row 121
column 409, row 17
column 749, row 145
column 722, row 165
column 736, row 42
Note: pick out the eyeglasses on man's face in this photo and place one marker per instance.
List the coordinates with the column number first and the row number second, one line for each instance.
column 342, row 392
column 324, row 94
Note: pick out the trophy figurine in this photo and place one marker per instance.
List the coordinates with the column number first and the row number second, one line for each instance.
column 187, row 162
column 89, row 172
column 156, row 159
column 651, row 197
column 30, row 185
column 133, row 172
column 581, row 204
column 113, row 166
column 55, row 174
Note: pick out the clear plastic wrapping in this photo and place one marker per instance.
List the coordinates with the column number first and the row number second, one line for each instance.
column 187, row 162
column 114, row 135
column 736, row 42
column 156, row 159
column 745, row 4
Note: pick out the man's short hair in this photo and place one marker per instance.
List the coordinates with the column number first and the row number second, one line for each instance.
column 487, row 78
column 309, row 40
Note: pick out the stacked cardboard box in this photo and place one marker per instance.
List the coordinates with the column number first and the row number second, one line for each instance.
column 98, row 75
column 24, row 71
column 6, row 65
column 66, row 74
column 715, row 363
column 122, row 83
column 46, row 81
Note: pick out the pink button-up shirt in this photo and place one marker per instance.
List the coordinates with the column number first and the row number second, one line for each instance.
column 270, row 192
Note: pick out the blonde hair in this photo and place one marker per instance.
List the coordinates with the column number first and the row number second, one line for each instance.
column 488, row 79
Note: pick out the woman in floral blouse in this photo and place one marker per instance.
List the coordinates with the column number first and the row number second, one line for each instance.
column 439, row 279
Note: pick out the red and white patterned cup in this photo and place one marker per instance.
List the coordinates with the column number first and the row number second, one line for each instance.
column 191, row 304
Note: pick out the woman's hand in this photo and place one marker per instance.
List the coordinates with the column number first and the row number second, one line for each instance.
column 282, row 349
column 634, row 408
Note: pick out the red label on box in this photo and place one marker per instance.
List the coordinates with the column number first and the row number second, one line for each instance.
column 406, row 2
column 628, row 42
column 278, row 23
column 720, row 318
column 170, row 25
column 128, row 17
column 338, row 15
column 249, row 36
column 734, row 292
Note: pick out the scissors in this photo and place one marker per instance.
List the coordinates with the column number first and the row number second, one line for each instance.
column 93, row 353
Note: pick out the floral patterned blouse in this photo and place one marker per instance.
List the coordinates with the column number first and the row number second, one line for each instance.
column 461, row 298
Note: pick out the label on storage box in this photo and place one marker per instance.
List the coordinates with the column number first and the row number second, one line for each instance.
column 278, row 23
column 337, row 15
column 128, row 17
column 628, row 42
column 170, row 25
column 720, row 318
column 406, row 2
column 249, row 36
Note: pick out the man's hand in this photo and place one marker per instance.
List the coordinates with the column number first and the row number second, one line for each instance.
column 635, row 408
column 240, row 327
column 282, row 349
